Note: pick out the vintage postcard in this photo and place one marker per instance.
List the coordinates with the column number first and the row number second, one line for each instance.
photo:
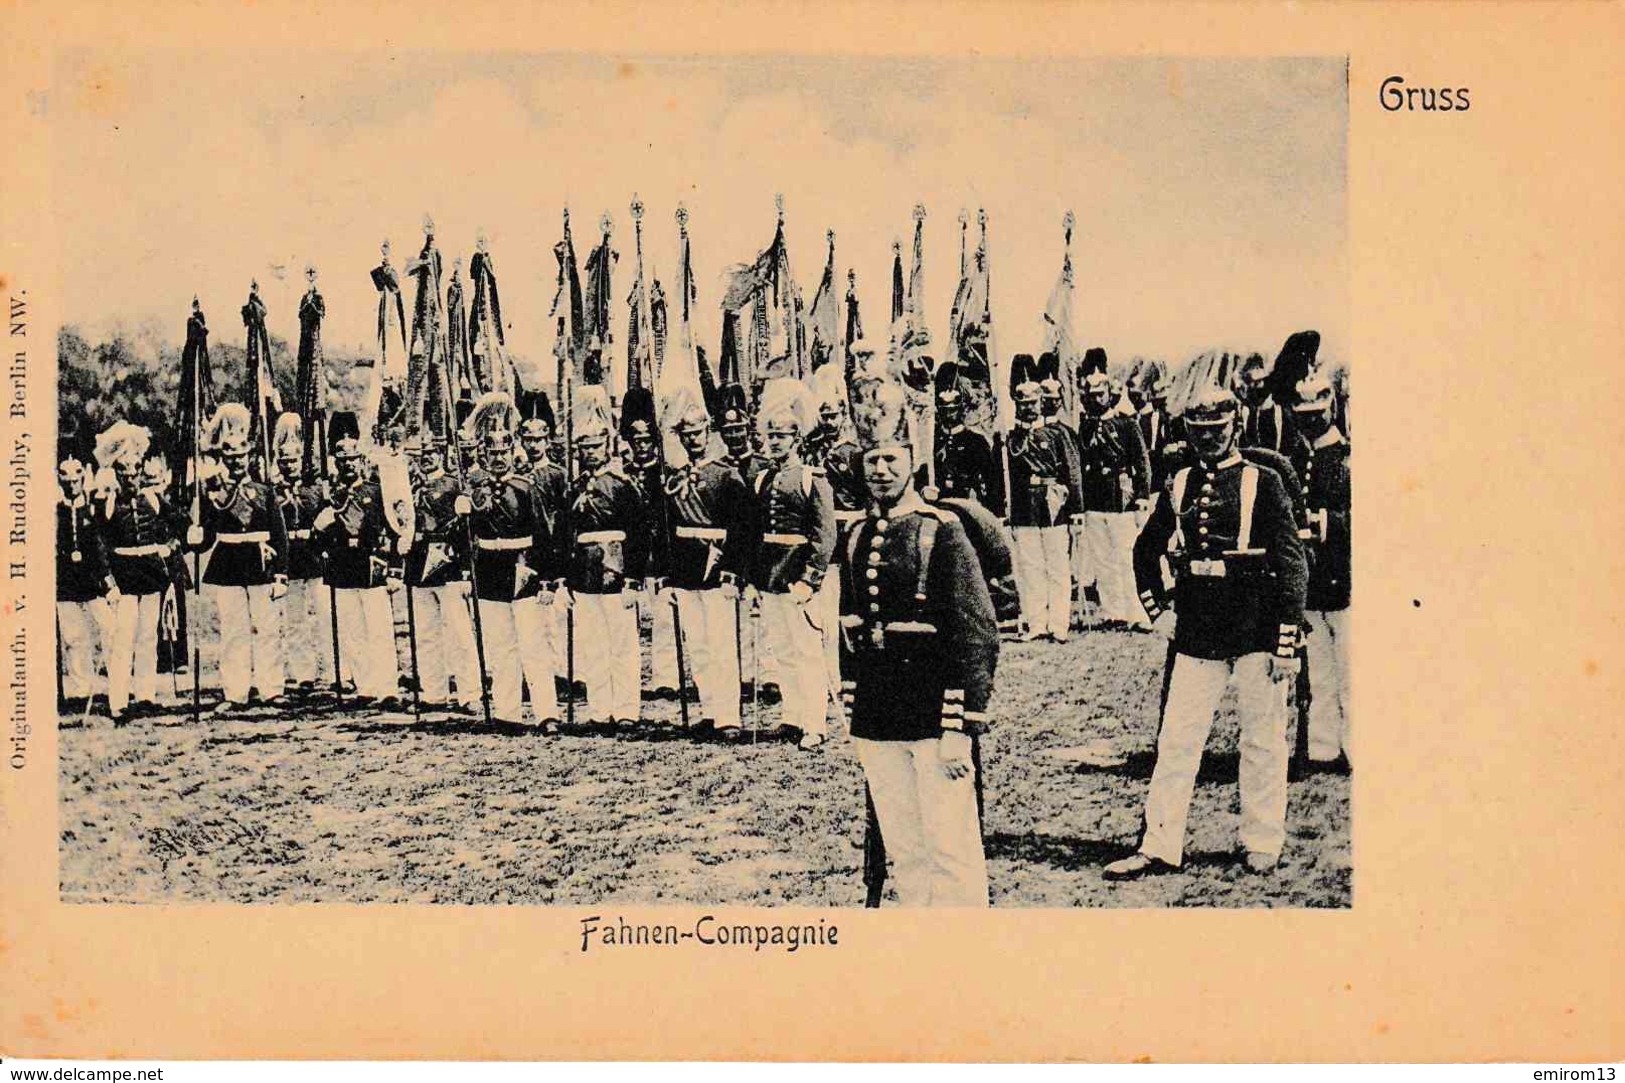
column 812, row 534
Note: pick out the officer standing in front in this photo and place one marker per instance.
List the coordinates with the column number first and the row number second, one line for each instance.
column 1227, row 526
column 921, row 646
column 84, row 583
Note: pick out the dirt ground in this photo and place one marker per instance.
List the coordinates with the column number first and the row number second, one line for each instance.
column 321, row 805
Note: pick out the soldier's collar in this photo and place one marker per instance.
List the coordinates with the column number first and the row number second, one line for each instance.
column 1331, row 436
column 1232, row 459
column 910, row 503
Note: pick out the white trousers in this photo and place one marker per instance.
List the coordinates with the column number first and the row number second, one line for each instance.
column 1044, row 578
column 1194, row 693
column 446, row 644
column 826, row 606
column 367, row 641
column 1083, row 569
column 791, row 635
column 662, row 641
column 710, row 653
column 607, row 657
column 540, row 623
column 1328, row 647
column 83, row 628
column 928, row 822
column 250, row 644
column 307, row 631
column 132, row 663
column 1109, row 538
column 500, row 628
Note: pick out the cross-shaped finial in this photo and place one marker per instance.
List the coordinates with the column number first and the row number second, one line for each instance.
column 851, row 279
column 919, row 212
column 637, row 208
column 1068, row 222
column 778, row 205
column 310, row 273
column 829, row 235
column 253, row 285
column 682, row 218
column 606, row 224
column 896, row 247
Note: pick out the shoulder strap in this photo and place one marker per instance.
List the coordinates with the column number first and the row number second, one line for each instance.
column 807, row 475
column 928, row 541
column 1181, row 479
column 1249, row 497
column 852, row 543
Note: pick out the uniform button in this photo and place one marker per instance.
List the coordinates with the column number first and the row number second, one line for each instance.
column 1207, row 488
column 874, row 607
column 874, row 590
column 880, row 526
column 874, row 556
column 1204, row 502
column 873, row 573
column 1203, row 516
column 1201, row 530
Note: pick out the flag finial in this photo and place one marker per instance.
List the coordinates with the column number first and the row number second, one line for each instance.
column 606, row 224
column 384, row 248
column 1067, row 222
column 567, row 214
column 964, row 218
column 981, row 217
column 637, row 208
column 778, row 205
column 682, row 218
column 829, row 235
column 919, row 212
column 310, row 273
column 195, row 302
column 851, row 279
column 896, row 247
column 428, row 226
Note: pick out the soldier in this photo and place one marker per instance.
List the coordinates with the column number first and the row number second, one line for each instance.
column 1116, row 484
column 608, row 558
column 305, row 618
column 539, row 614
column 1239, row 569
column 796, row 514
column 708, row 508
column 922, row 646
column 1321, row 457
column 437, row 575
column 245, row 571
column 830, row 448
column 1155, row 433
column 1272, row 389
column 157, row 479
column 139, row 534
column 85, row 588
column 505, row 528
column 1044, row 493
column 643, row 463
column 734, row 427
column 965, row 467
column 354, row 533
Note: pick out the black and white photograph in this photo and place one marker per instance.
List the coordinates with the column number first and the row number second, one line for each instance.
column 769, row 480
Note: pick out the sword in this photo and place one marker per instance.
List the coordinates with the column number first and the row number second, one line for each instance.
column 874, row 852
column 412, row 646
column 569, row 657
column 682, row 667
column 756, row 667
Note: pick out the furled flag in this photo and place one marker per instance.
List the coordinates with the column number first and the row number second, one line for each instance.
column 310, row 382
column 487, row 341
column 642, row 359
column 266, row 403
column 594, row 336
column 775, row 343
column 197, row 397
column 825, row 315
column 1058, row 337
column 570, row 345
column 854, row 325
column 682, row 363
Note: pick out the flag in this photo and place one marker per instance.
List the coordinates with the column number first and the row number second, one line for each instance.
column 682, row 365
column 825, row 315
column 1058, row 337
column 776, row 340
column 642, row 360
column 593, row 333
column 854, row 326
column 569, row 347
column 266, row 404
column 197, row 397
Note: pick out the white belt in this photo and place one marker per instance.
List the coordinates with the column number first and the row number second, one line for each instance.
column 702, row 533
column 600, row 537
column 1211, row 568
column 785, row 539
column 909, row 626
column 298, row 535
column 251, row 537
column 138, row 551
column 844, row 516
column 504, row 543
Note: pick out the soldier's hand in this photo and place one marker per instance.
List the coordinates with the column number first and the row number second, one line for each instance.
column 324, row 519
column 729, row 588
column 801, row 591
column 1284, row 669
column 113, row 593
column 279, row 587
column 953, row 752
column 194, row 536
column 462, row 505
column 930, row 493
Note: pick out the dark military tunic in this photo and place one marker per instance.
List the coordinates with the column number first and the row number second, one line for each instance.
column 244, row 525
column 1323, row 469
column 139, row 532
column 650, row 480
column 1231, row 599
column 358, row 541
column 1155, row 434
column 81, row 558
column 966, row 468
column 609, row 526
column 842, row 462
column 549, row 493
column 748, row 466
column 1115, row 470
column 796, row 517
column 994, row 552
column 504, row 523
column 301, row 501
column 708, row 509
column 1043, row 460
column 439, row 553
column 1269, row 425
column 918, row 635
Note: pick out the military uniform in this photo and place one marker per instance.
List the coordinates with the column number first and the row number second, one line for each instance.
column 247, row 559
column 650, row 481
column 436, row 574
column 829, row 449
column 608, row 551
column 1323, row 468
column 306, row 616
column 83, row 583
column 138, row 530
column 505, row 525
column 1229, row 531
column 1116, row 478
column 358, row 542
column 966, row 468
column 921, row 645
column 1044, row 495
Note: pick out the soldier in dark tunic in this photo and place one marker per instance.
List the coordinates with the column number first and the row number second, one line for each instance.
column 355, row 536
column 245, row 569
column 539, row 611
column 644, row 464
column 85, row 588
column 830, row 448
column 1116, row 483
column 436, row 573
column 1044, row 494
column 921, row 647
column 965, row 468
column 1228, row 530
column 305, row 618
column 708, row 512
column 796, row 516
column 1320, row 454
column 734, row 423
column 138, row 530
column 607, row 561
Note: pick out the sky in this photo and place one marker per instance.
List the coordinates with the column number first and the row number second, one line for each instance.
column 1210, row 195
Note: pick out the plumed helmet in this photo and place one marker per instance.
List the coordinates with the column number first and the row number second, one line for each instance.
column 828, row 386
column 536, row 413
column 288, row 442
column 1094, row 360
column 228, row 429
column 1293, row 364
column 591, row 418
column 1049, row 373
column 682, row 411
column 122, row 442
column 946, row 381
column 1154, row 380
column 494, row 420
column 1313, row 394
column 784, row 405
column 882, row 420
column 1024, row 376
column 638, row 413
column 733, row 407
column 1210, row 405
column 344, row 435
